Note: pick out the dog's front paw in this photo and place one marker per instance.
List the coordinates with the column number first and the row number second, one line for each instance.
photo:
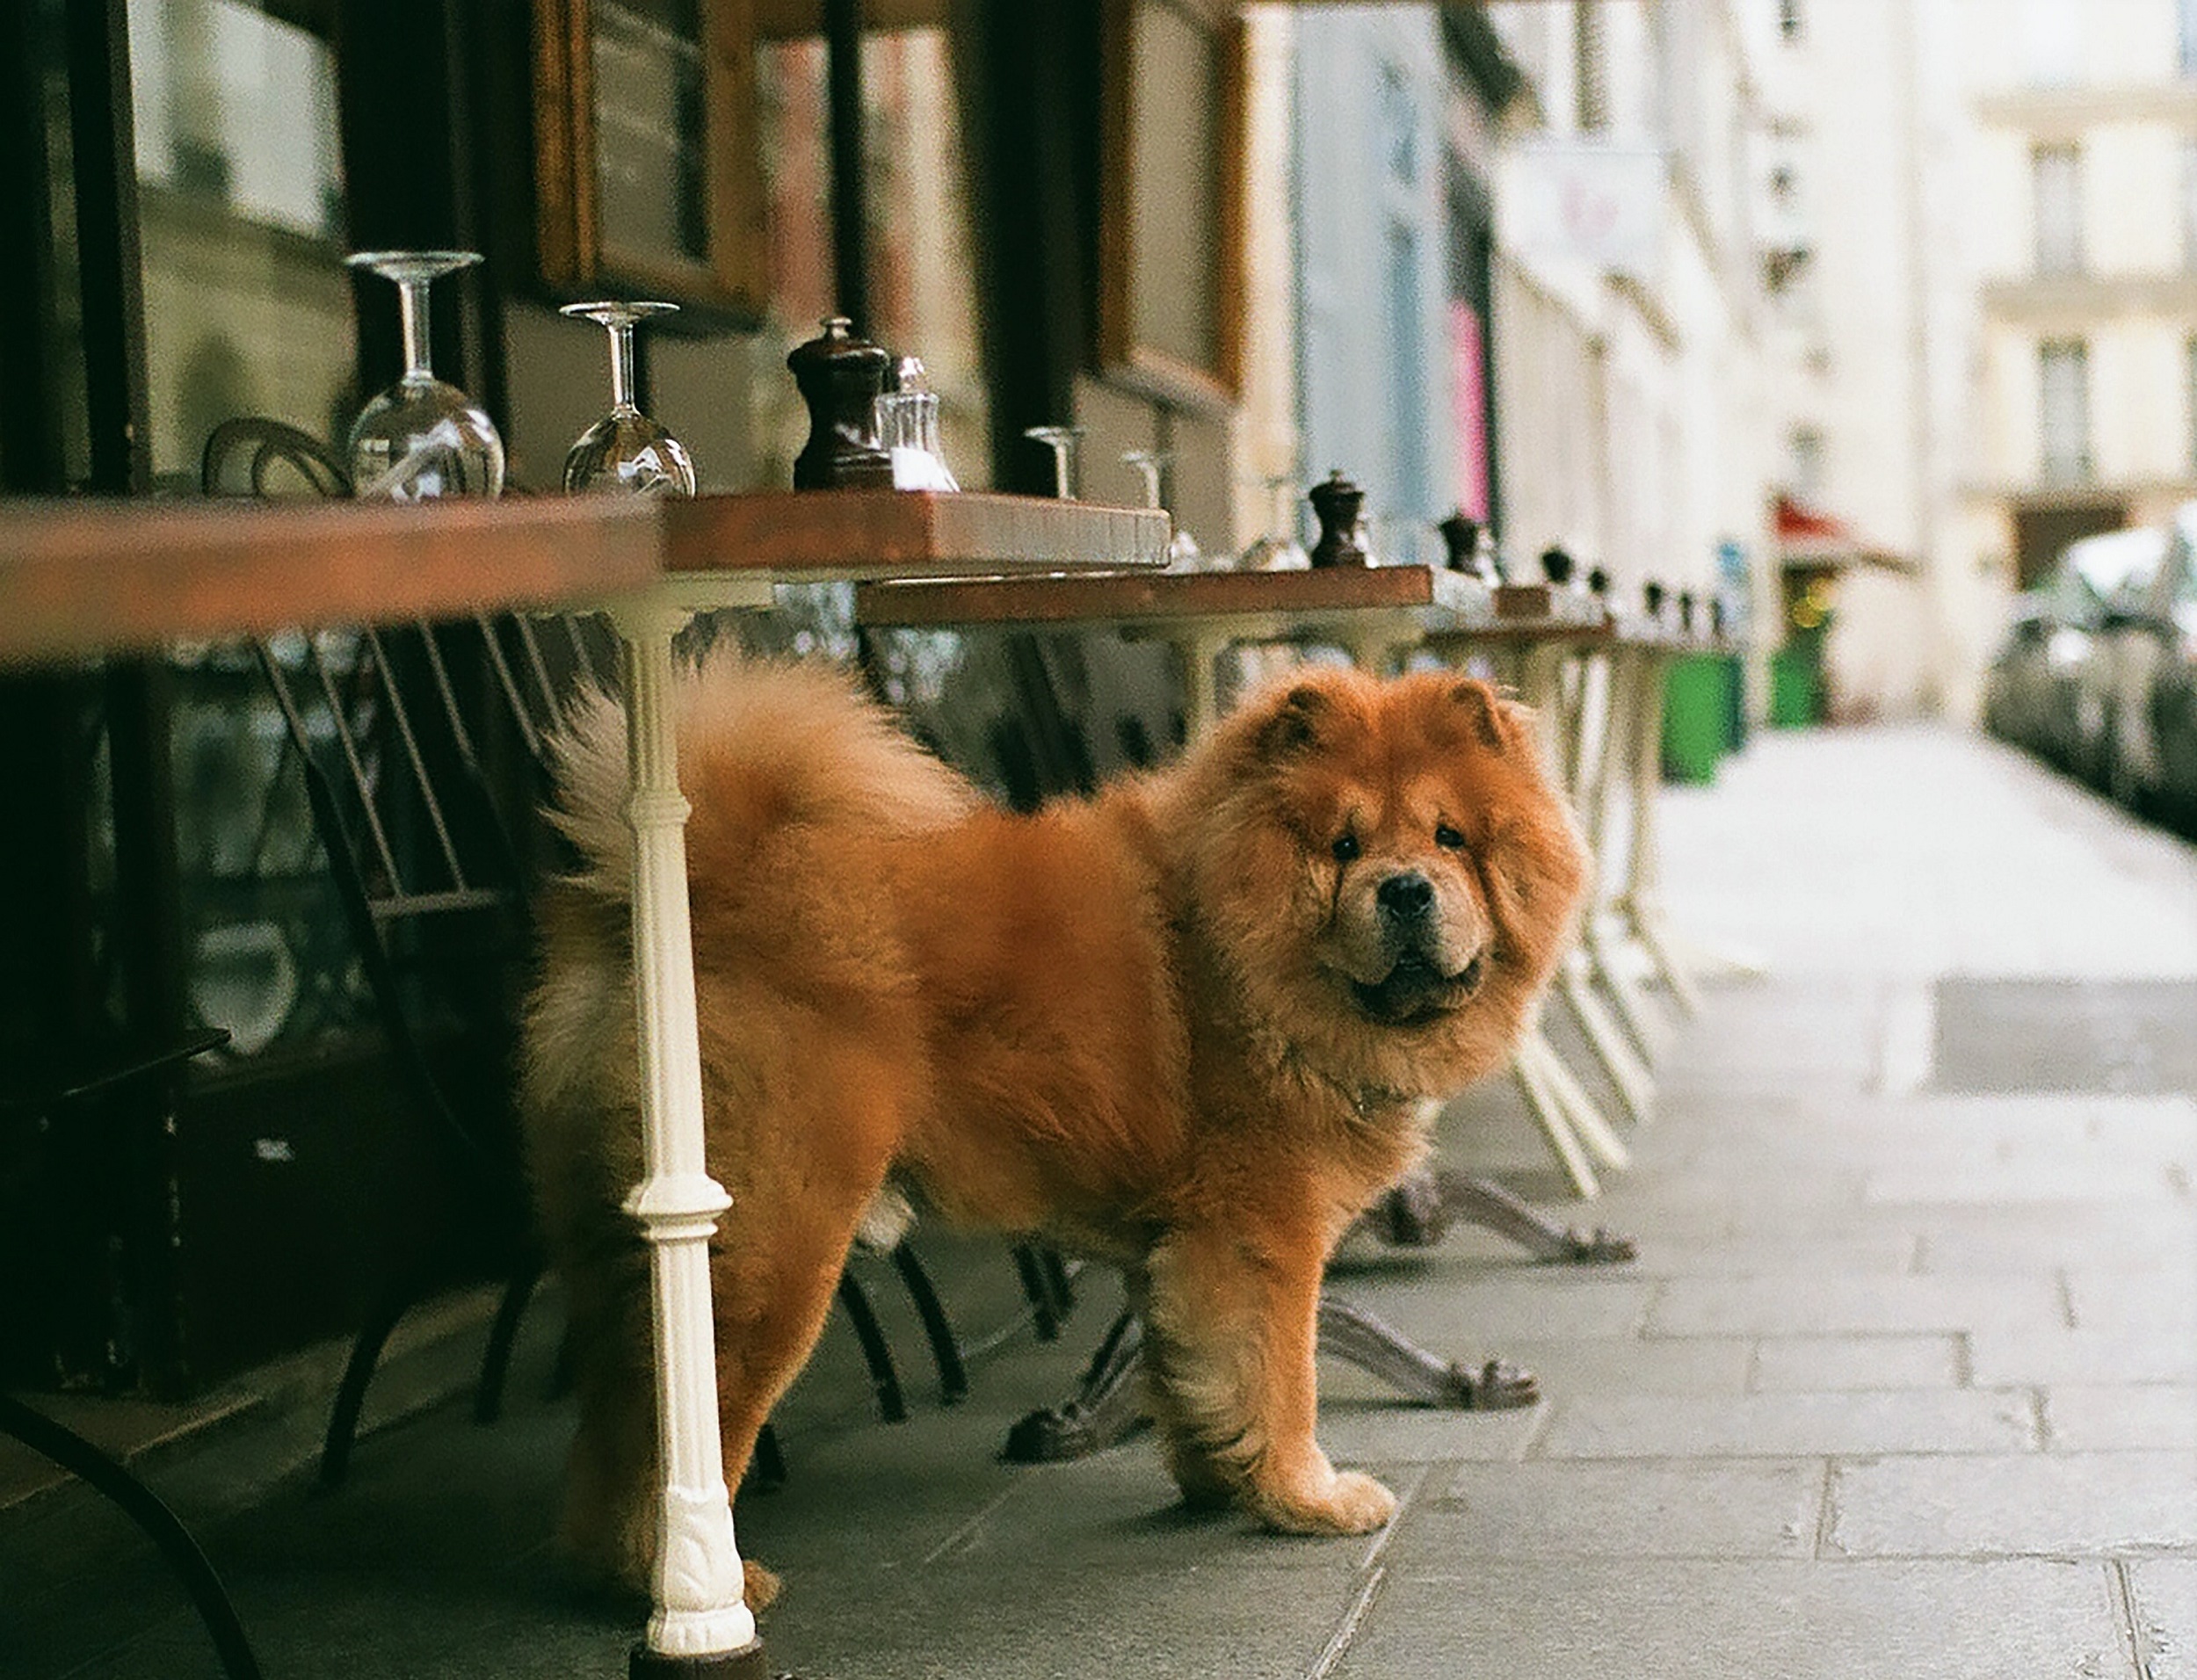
column 1347, row 1504
column 759, row 1585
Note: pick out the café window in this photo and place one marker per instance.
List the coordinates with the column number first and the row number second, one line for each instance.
column 247, row 312
column 1171, row 184
column 922, row 267
column 248, row 308
column 644, row 151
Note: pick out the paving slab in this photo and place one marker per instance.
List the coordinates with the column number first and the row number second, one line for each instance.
column 1924, row 1421
column 2036, row 1504
column 1675, row 1509
column 2162, row 1594
column 2093, row 1417
column 2046, row 1238
column 2137, row 1353
column 1819, row 1363
column 1802, row 1305
column 1559, row 1620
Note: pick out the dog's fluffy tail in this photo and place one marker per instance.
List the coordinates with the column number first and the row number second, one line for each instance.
column 762, row 744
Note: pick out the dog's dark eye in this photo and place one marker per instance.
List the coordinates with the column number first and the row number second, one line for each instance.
column 1345, row 847
column 1448, row 839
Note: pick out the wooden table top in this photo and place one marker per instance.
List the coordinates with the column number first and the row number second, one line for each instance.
column 1166, row 598
column 906, row 534
column 81, row 576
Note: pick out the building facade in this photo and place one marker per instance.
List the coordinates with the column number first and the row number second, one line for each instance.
column 2086, row 226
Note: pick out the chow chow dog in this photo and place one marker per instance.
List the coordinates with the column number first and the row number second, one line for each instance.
column 1188, row 1026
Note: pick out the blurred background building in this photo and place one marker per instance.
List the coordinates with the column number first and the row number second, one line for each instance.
column 2083, row 221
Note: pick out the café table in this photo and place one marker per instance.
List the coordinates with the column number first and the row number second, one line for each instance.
column 78, row 580
column 735, row 551
column 1374, row 613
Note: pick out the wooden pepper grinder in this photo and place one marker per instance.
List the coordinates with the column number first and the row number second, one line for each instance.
column 1461, row 536
column 841, row 377
column 1337, row 503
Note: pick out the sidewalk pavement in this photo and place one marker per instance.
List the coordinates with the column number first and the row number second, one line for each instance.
column 1903, row 1384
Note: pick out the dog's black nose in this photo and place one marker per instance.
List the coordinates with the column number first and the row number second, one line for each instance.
column 1408, row 897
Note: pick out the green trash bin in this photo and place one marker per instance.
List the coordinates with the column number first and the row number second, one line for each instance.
column 1792, row 688
column 1696, row 717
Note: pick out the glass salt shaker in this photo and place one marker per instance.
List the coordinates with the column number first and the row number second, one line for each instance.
column 908, row 425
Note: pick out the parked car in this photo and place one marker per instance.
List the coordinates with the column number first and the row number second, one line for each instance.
column 2052, row 688
column 2149, row 658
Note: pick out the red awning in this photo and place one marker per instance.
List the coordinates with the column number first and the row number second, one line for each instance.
column 1808, row 537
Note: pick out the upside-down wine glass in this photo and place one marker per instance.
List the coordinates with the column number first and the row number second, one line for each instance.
column 1183, row 553
column 1062, row 441
column 1279, row 549
column 421, row 437
column 626, row 452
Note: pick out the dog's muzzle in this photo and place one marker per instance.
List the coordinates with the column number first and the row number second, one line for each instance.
column 1415, row 990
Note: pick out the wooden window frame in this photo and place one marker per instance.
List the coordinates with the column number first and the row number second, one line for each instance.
column 1146, row 369
column 573, row 255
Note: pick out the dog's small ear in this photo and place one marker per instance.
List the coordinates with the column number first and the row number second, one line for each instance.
column 1482, row 713
column 1295, row 725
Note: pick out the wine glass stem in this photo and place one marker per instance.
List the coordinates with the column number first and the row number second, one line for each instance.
column 622, row 364
column 411, row 305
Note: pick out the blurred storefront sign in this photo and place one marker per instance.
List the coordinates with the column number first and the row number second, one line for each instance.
column 1587, row 202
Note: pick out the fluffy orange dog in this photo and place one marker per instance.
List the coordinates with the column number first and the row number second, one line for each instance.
column 1186, row 1026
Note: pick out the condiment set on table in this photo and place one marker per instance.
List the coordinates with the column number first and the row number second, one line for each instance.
column 874, row 420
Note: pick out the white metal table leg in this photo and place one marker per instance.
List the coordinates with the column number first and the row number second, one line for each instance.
column 700, row 1623
column 1530, row 1072
column 1606, row 958
column 1584, row 1114
column 1197, row 649
column 1638, row 903
column 1598, row 746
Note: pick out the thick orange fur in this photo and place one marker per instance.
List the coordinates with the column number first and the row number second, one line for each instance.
column 1159, row 1026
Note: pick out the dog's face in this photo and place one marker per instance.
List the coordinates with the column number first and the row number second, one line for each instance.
column 1389, row 874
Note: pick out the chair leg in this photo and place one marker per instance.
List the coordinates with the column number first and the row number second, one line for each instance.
column 496, row 1364
column 883, row 1376
column 946, row 1347
column 143, row 1507
column 350, row 1395
column 1484, row 1203
column 1038, row 1291
column 1108, row 1405
column 1419, row 1213
column 1352, row 1333
column 1059, row 1279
